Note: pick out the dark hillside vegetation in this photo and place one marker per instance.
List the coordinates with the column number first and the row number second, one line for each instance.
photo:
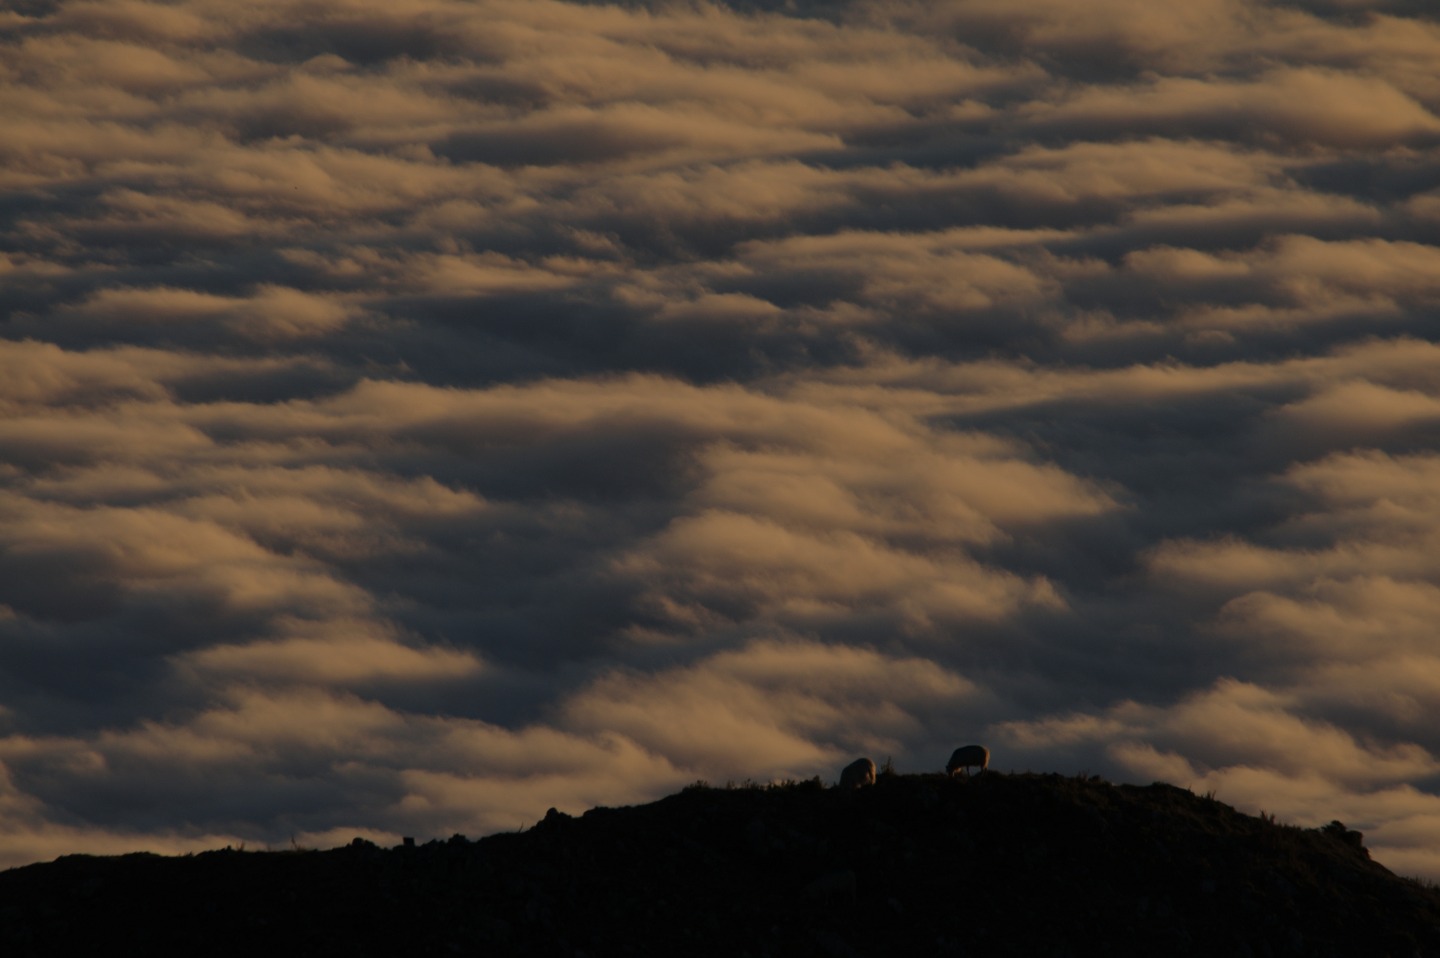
column 917, row 864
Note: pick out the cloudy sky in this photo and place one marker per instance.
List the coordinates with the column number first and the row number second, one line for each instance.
column 414, row 415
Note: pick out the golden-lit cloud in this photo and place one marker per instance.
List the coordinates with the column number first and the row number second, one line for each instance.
column 417, row 415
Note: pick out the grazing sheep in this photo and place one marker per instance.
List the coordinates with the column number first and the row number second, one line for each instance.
column 858, row 774
column 968, row 757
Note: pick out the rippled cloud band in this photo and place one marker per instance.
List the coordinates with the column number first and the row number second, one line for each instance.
column 414, row 415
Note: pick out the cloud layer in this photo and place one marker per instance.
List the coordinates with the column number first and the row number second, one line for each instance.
column 417, row 415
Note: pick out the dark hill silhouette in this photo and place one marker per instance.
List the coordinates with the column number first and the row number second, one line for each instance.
column 1033, row 865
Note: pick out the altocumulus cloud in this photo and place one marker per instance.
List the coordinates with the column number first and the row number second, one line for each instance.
column 415, row 415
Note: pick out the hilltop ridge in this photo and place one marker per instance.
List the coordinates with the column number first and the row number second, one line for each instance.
column 995, row 865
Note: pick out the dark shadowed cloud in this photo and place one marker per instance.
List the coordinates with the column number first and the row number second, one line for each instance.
column 417, row 415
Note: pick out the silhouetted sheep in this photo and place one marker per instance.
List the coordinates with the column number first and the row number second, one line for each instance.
column 968, row 757
column 858, row 774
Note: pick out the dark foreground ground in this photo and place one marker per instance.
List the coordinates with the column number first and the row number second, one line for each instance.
column 1032, row 865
